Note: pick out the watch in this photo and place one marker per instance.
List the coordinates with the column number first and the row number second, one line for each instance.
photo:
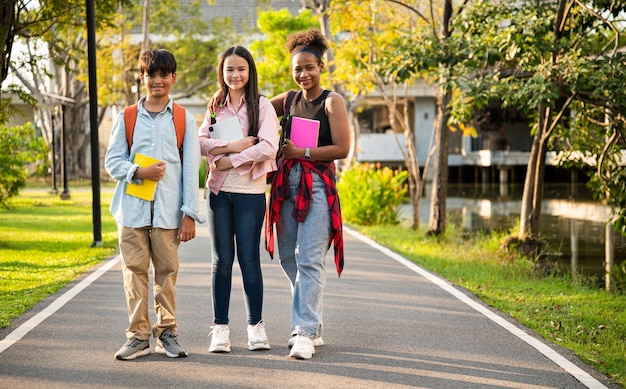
column 307, row 153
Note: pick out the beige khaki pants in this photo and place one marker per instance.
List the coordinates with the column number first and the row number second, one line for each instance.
column 138, row 246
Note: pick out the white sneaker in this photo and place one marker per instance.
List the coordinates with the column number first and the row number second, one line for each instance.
column 257, row 338
column 220, row 339
column 318, row 341
column 302, row 348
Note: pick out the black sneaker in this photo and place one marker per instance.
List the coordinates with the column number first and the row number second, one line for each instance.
column 168, row 345
column 133, row 348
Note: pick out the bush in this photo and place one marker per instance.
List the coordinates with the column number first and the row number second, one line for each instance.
column 202, row 172
column 371, row 195
column 18, row 146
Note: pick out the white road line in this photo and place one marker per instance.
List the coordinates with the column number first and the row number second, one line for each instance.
column 550, row 353
column 34, row 321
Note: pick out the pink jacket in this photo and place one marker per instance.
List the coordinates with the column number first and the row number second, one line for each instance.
column 262, row 154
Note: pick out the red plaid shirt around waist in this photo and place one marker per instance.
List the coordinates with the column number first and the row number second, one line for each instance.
column 280, row 191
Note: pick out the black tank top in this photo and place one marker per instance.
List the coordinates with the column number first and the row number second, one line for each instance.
column 316, row 110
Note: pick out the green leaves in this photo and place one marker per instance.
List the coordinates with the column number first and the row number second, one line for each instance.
column 18, row 147
column 271, row 56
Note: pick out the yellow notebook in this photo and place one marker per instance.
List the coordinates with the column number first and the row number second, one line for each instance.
column 146, row 189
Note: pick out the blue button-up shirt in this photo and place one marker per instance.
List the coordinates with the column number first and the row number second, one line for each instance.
column 177, row 192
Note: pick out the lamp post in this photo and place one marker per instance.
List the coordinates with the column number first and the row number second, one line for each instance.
column 138, row 81
column 93, row 123
column 54, row 189
column 136, row 88
column 63, row 102
column 65, row 194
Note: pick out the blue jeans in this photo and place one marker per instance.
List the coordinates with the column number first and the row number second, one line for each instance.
column 235, row 220
column 302, row 248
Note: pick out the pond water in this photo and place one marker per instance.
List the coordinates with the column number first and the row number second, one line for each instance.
column 572, row 223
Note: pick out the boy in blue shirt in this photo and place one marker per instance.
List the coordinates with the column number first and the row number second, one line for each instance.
column 152, row 230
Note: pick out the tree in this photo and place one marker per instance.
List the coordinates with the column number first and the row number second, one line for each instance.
column 370, row 31
column 52, row 34
column 194, row 41
column 322, row 8
column 59, row 86
column 270, row 55
column 562, row 64
column 430, row 52
column 22, row 19
column 273, row 63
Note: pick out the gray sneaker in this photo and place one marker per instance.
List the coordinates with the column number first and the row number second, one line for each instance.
column 133, row 348
column 168, row 345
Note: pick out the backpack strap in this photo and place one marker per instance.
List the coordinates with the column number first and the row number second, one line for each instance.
column 130, row 117
column 180, row 123
column 287, row 102
column 285, row 119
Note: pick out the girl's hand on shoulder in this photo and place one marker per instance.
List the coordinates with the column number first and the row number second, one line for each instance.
column 278, row 101
column 215, row 102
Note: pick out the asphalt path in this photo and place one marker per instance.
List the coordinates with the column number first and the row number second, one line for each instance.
column 387, row 324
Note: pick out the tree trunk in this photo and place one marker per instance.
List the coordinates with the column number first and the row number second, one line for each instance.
column 9, row 17
column 354, row 137
column 548, row 117
column 540, row 174
column 533, row 184
column 415, row 179
column 529, row 190
column 145, row 28
column 439, row 190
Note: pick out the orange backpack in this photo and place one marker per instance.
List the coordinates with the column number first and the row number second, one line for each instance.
column 130, row 117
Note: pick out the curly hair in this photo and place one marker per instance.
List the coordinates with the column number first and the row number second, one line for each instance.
column 311, row 40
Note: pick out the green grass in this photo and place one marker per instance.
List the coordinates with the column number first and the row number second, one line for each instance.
column 574, row 314
column 46, row 243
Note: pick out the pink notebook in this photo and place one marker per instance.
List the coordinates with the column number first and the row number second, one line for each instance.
column 304, row 132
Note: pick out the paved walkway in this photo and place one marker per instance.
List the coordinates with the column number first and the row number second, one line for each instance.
column 388, row 323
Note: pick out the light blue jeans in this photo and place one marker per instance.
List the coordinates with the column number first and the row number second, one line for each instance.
column 302, row 248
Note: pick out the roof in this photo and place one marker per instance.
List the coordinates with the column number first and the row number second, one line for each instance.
column 244, row 13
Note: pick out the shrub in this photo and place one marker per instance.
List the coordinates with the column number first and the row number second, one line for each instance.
column 18, row 146
column 371, row 195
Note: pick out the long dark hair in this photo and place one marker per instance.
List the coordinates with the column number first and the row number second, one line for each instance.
column 251, row 88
